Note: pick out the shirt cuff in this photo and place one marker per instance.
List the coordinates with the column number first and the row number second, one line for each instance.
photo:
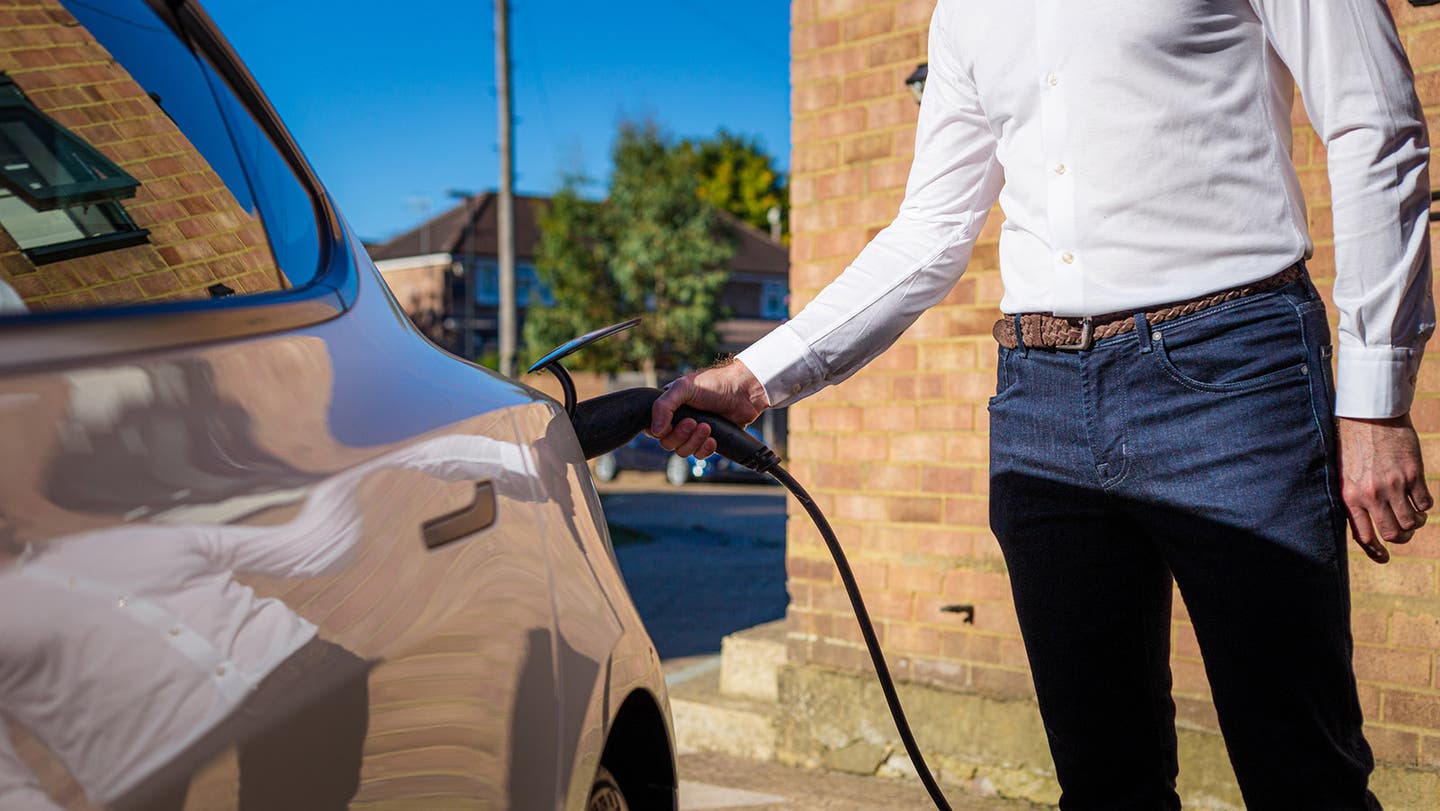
column 1375, row 382
column 781, row 362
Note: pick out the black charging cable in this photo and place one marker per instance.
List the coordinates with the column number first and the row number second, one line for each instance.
column 605, row 423
column 867, row 630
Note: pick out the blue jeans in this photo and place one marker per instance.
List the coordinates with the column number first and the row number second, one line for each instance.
column 1203, row 450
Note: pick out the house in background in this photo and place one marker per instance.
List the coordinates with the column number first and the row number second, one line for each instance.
column 425, row 269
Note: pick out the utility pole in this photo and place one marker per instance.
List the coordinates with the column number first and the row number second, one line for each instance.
column 506, row 211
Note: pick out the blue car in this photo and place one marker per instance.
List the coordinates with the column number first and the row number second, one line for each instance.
column 644, row 453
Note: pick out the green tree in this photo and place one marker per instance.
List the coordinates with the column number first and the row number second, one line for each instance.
column 653, row 248
column 735, row 174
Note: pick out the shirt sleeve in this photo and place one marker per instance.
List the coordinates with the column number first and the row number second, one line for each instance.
column 1359, row 92
column 911, row 264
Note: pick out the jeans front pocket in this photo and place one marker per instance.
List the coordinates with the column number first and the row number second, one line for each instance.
column 1240, row 346
column 1006, row 373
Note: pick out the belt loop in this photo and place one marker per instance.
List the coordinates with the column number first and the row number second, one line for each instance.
column 1142, row 332
column 1020, row 338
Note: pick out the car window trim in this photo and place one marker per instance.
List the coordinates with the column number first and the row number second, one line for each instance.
column 196, row 28
column 47, row 340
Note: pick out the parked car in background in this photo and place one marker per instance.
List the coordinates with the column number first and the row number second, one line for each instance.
column 644, row 453
column 262, row 545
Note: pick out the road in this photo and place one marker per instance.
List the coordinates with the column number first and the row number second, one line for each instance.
column 714, row 561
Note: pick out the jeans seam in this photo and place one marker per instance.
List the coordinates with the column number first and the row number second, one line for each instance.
column 1125, row 412
column 1326, row 451
column 1155, row 700
column 1092, row 431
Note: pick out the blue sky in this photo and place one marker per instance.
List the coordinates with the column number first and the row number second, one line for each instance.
column 394, row 103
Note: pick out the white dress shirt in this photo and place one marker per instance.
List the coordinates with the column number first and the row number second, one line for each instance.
column 1141, row 152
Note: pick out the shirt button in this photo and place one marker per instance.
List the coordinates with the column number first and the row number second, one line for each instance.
column 795, row 389
column 1059, row 168
column 1068, row 258
column 174, row 631
column 122, row 602
column 220, row 671
column 1052, row 79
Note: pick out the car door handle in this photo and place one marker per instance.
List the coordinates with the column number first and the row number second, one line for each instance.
column 465, row 521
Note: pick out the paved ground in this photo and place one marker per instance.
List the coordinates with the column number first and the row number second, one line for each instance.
column 709, row 781
column 713, row 563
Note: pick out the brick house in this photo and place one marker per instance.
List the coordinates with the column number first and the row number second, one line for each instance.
column 909, row 498
column 422, row 267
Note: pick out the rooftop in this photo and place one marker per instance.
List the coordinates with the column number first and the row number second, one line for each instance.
column 470, row 228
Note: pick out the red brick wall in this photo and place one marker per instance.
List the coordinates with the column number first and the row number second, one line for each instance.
column 199, row 234
column 909, row 501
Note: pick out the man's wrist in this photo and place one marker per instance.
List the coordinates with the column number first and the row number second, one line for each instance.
column 750, row 385
column 1401, row 421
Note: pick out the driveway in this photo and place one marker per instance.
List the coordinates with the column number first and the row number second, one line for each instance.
column 702, row 560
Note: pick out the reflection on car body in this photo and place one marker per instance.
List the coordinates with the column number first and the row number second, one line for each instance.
column 165, row 600
column 214, row 571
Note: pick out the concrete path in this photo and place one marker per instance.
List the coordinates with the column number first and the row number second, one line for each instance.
column 709, row 781
column 715, row 563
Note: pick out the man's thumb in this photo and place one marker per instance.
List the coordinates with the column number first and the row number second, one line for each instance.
column 664, row 409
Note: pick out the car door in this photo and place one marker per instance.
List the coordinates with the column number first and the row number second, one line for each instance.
column 261, row 545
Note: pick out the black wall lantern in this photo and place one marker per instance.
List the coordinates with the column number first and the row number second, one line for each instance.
column 916, row 80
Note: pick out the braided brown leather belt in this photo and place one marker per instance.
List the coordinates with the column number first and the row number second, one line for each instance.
column 1046, row 331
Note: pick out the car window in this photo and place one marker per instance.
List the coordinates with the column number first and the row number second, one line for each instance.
column 129, row 172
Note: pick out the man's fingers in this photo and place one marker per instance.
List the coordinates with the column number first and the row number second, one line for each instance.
column 696, row 437
column 1387, row 525
column 687, row 437
column 1376, row 551
column 1406, row 516
column 1364, row 534
column 1420, row 495
column 678, row 434
column 663, row 411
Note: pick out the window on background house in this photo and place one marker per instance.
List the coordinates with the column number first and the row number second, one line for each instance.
column 487, row 282
column 529, row 290
column 775, row 300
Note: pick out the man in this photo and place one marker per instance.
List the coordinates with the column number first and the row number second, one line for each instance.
column 1164, row 405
